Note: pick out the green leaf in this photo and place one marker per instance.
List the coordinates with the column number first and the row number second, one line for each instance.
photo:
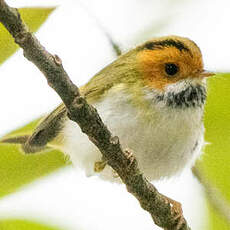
column 33, row 17
column 215, row 162
column 11, row 224
column 17, row 169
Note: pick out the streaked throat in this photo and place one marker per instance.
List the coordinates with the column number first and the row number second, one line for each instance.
column 191, row 97
column 182, row 95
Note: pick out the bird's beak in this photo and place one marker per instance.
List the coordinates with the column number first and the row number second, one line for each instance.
column 206, row 73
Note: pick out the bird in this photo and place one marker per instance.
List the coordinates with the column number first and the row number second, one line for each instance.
column 152, row 97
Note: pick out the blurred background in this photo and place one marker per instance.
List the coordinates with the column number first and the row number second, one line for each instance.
column 45, row 191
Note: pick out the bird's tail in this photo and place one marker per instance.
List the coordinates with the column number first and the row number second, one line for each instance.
column 24, row 140
column 16, row 140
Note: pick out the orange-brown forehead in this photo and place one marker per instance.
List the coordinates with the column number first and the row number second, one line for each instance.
column 186, row 60
column 153, row 56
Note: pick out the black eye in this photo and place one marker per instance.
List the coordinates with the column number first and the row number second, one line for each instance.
column 171, row 69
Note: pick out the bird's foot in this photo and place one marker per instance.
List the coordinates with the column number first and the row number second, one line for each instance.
column 177, row 212
column 99, row 166
column 115, row 175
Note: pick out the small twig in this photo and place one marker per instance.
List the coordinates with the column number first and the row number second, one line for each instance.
column 214, row 195
column 114, row 45
column 116, row 48
column 89, row 121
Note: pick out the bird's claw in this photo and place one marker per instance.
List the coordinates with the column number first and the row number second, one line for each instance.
column 99, row 166
column 130, row 157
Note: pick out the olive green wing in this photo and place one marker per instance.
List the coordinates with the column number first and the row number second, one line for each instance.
column 120, row 71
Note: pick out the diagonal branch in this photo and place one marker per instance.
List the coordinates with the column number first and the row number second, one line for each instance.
column 90, row 123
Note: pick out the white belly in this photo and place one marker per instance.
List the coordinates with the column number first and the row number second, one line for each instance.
column 163, row 146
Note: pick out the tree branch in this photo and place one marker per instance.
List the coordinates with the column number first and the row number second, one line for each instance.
column 90, row 123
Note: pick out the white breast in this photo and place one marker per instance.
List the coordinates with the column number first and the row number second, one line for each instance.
column 163, row 146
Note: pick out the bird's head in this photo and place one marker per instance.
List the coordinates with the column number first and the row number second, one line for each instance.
column 173, row 67
column 170, row 70
column 169, row 60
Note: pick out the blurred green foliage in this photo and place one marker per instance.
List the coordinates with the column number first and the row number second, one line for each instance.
column 10, row 224
column 34, row 18
column 216, row 220
column 17, row 169
column 215, row 162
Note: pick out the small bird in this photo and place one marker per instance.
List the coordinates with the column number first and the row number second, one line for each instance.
column 151, row 97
